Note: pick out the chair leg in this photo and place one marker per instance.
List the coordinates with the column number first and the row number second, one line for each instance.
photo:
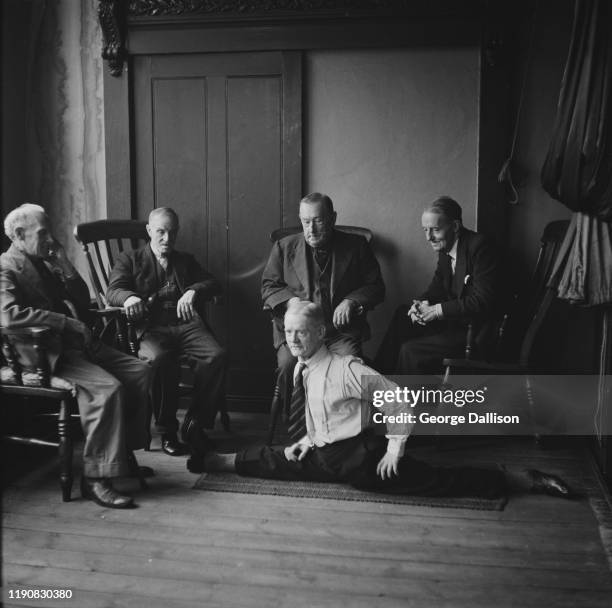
column 275, row 409
column 65, row 449
column 225, row 419
column 532, row 409
column 148, row 420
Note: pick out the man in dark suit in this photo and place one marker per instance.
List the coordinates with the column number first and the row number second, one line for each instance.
column 163, row 292
column 329, row 267
column 464, row 289
column 40, row 286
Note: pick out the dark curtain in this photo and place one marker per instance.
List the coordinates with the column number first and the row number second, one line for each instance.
column 578, row 167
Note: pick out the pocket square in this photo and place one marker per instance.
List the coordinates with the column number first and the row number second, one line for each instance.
column 468, row 278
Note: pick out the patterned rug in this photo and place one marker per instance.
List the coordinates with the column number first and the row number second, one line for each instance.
column 230, row 482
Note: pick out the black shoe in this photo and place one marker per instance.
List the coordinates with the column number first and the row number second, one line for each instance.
column 102, row 492
column 172, row 446
column 546, row 483
column 195, row 465
column 137, row 470
column 199, row 445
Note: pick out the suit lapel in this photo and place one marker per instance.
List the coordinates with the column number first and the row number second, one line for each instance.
column 149, row 265
column 29, row 274
column 461, row 265
column 179, row 269
column 297, row 259
column 340, row 261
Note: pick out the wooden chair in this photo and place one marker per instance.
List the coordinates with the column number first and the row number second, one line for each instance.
column 34, row 385
column 524, row 316
column 102, row 241
column 539, row 295
column 276, row 235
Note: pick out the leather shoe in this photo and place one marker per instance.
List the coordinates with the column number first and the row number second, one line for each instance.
column 137, row 470
column 546, row 483
column 199, row 445
column 102, row 492
column 172, row 446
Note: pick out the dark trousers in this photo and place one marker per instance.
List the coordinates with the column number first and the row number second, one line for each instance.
column 354, row 461
column 163, row 346
column 408, row 348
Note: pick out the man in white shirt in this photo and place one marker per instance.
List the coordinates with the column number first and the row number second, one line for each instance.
column 338, row 445
column 465, row 288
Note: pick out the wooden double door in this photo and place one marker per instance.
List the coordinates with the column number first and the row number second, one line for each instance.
column 217, row 137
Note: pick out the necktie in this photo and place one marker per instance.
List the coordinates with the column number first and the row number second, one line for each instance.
column 297, row 407
column 448, row 272
column 321, row 257
column 163, row 262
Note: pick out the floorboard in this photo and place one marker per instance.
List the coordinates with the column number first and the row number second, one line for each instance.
column 184, row 547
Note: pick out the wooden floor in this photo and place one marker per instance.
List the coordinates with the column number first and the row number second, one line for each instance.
column 183, row 547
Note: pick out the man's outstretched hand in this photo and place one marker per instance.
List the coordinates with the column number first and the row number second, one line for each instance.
column 388, row 466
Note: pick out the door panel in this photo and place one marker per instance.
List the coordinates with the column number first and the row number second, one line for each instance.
column 218, row 138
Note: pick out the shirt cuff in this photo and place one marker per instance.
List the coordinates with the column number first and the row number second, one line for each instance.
column 305, row 441
column 396, row 445
column 438, row 309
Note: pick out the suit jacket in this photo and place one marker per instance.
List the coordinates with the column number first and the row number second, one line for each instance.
column 355, row 275
column 25, row 300
column 135, row 274
column 475, row 284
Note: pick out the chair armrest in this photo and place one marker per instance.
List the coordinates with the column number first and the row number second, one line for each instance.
column 108, row 311
column 41, row 374
column 31, row 331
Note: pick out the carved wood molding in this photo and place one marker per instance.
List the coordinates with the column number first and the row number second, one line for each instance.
column 111, row 14
column 116, row 15
column 139, row 8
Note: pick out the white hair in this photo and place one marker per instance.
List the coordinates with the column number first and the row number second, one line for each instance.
column 308, row 309
column 20, row 217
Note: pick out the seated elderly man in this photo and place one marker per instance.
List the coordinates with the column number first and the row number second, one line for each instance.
column 329, row 267
column 464, row 289
column 163, row 291
column 40, row 286
column 336, row 446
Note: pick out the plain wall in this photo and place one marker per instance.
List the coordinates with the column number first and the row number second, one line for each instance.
column 385, row 132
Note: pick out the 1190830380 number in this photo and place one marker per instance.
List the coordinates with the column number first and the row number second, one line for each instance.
column 39, row 594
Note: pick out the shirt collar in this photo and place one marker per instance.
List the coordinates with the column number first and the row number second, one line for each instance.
column 453, row 252
column 158, row 255
column 317, row 358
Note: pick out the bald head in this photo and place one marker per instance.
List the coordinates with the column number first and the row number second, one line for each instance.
column 164, row 212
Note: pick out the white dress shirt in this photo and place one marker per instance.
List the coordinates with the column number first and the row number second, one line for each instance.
column 335, row 409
